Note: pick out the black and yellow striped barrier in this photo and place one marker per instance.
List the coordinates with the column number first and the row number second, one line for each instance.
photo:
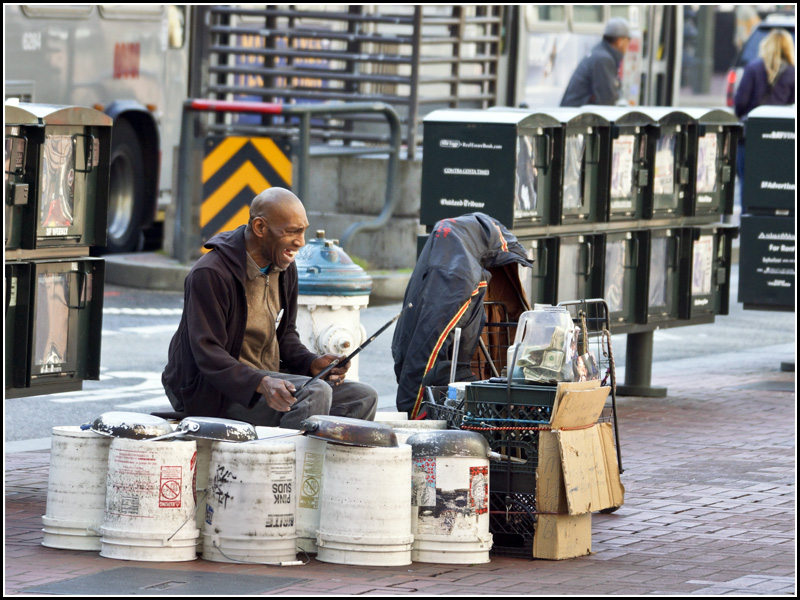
column 235, row 170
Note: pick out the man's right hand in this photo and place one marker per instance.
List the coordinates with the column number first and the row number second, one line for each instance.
column 277, row 393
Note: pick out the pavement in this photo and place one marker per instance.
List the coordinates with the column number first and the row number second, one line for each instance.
column 710, row 509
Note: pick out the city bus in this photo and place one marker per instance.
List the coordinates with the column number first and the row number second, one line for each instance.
column 127, row 60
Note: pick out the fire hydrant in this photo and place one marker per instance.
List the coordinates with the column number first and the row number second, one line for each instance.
column 333, row 291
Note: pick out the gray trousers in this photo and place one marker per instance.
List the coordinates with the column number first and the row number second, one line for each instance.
column 348, row 399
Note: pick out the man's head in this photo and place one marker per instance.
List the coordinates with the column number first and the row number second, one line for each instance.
column 618, row 34
column 275, row 231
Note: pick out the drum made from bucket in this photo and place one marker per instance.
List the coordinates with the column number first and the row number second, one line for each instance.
column 365, row 517
column 309, row 460
column 150, row 501
column 250, row 506
column 450, row 498
column 76, row 489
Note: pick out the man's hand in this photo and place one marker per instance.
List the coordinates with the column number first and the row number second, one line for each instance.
column 277, row 393
column 337, row 374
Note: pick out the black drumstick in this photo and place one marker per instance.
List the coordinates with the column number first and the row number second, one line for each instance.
column 335, row 362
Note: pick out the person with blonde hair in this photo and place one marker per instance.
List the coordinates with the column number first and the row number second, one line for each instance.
column 770, row 78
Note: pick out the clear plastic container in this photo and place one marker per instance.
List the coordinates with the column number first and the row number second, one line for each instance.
column 545, row 346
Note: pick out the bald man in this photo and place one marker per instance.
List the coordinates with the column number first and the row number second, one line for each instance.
column 233, row 355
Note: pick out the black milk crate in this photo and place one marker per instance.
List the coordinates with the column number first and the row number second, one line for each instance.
column 435, row 397
column 511, row 524
column 511, row 428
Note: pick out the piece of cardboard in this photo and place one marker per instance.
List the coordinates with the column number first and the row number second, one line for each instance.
column 576, row 407
column 588, row 484
column 551, row 496
column 616, row 489
column 562, row 536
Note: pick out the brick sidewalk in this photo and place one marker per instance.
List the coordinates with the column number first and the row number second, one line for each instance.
column 709, row 507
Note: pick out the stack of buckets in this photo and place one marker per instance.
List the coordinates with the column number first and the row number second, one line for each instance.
column 261, row 501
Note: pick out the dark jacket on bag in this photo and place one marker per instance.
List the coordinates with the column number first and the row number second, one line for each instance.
column 595, row 80
column 447, row 289
column 755, row 91
column 203, row 371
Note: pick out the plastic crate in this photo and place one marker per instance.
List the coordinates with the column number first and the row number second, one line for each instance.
column 435, row 397
column 512, row 527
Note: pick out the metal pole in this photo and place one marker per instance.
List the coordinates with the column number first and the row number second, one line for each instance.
column 638, row 367
column 183, row 212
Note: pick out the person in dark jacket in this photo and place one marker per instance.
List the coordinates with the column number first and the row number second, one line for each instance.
column 447, row 289
column 767, row 80
column 596, row 79
column 770, row 78
column 237, row 353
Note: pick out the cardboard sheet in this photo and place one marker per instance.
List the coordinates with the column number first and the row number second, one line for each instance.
column 589, row 485
column 551, row 496
column 562, row 536
column 576, row 407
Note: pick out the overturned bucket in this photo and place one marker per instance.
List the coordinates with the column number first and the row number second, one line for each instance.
column 150, row 501
column 365, row 516
column 450, row 497
column 76, row 489
column 250, row 506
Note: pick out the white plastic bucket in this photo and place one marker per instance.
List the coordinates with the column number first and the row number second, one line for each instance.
column 365, row 517
column 201, row 485
column 76, row 489
column 452, row 527
column 250, row 507
column 309, row 460
column 150, row 501
column 390, row 418
column 450, row 498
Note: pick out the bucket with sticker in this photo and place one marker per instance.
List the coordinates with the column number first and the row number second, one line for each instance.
column 150, row 501
column 450, row 497
column 250, row 505
column 76, row 489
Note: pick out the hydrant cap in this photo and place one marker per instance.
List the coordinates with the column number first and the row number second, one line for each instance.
column 325, row 269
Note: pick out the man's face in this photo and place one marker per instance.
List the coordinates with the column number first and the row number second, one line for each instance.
column 622, row 44
column 281, row 237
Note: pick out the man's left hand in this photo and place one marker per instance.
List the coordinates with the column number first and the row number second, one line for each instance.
column 337, row 374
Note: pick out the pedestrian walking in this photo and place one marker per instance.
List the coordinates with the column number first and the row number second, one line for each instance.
column 596, row 79
column 769, row 79
column 237, row 353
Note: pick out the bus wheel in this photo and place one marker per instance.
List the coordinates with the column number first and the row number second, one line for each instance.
column 126, row 190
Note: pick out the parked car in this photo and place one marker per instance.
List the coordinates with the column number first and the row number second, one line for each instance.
column 749, row 51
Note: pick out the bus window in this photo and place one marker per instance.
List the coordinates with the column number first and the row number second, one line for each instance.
column 587, row 14
column 151, row 12
column 549, row 17
column 57, row 11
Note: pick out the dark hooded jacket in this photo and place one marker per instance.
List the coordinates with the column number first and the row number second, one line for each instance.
column 595, row 80
column 203, row 369
column 446, row 290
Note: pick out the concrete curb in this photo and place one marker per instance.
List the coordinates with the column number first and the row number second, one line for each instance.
column 155, row 271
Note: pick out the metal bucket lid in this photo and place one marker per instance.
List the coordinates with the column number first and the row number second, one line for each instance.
column 131, row 425
column 350, row 432
column 448, row 442
column 212, row 428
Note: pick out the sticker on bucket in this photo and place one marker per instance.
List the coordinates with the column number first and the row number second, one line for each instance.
column 478, row 489
column 312, row 476
column 169, row 491
column 423, row 483
column 282, row 477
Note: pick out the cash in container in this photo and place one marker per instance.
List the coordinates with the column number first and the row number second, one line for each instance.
column 633, row 145
column 65, row 168
column 502, row 162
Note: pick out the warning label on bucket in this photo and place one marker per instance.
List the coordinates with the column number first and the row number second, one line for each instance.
column 312, row 476
column 169, row 492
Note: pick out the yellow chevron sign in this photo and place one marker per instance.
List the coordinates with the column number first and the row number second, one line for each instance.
column 235, row 170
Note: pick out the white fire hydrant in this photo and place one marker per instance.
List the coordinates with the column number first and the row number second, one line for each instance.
column 333, row 291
